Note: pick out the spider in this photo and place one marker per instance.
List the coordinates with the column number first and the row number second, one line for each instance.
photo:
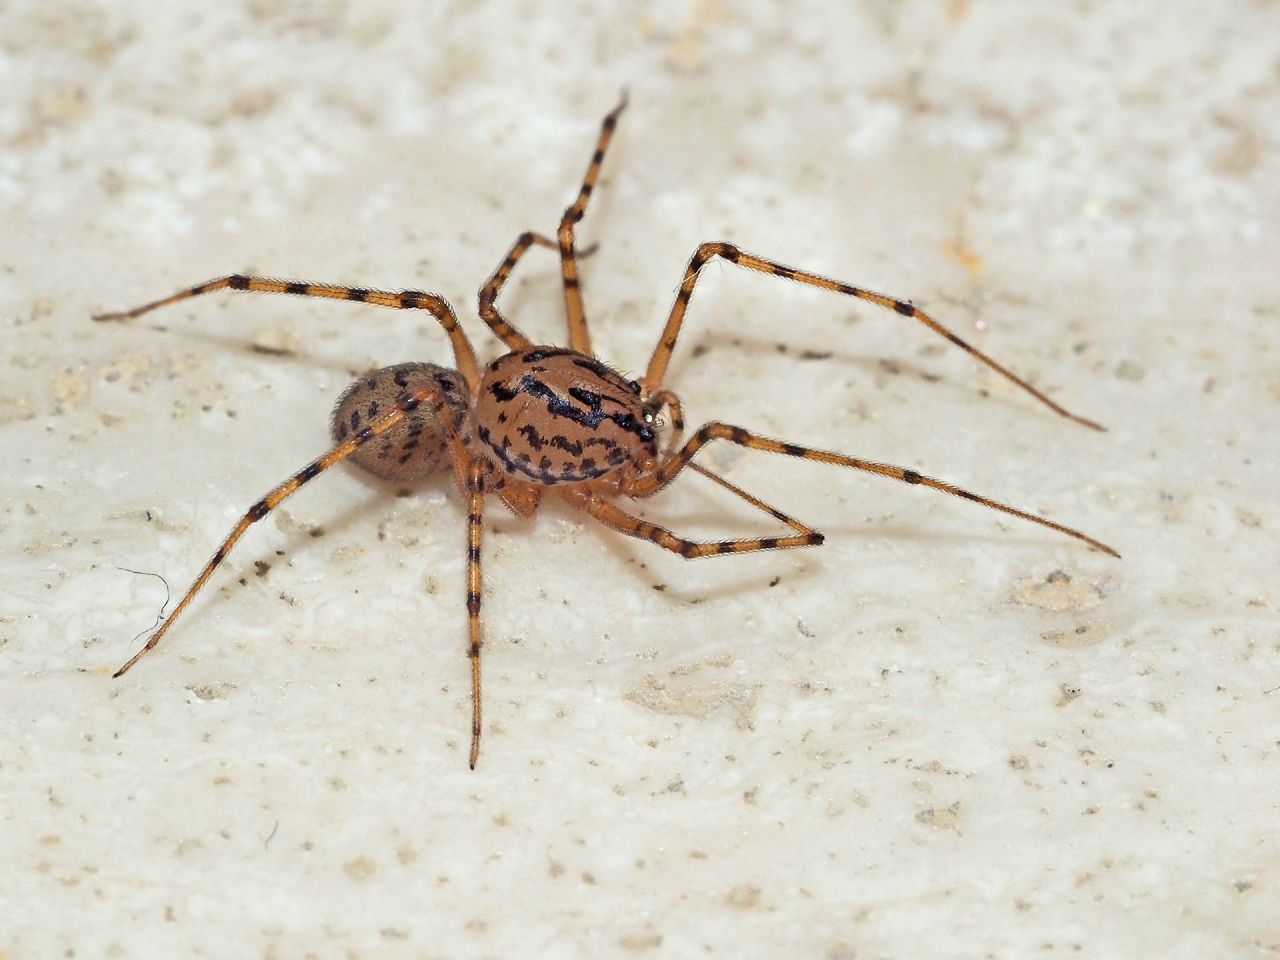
column 543, row 419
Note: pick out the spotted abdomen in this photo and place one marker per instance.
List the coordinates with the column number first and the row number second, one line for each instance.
column 414, row 448
column 548, row 415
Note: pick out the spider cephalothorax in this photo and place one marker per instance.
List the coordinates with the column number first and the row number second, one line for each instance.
column 553, row 416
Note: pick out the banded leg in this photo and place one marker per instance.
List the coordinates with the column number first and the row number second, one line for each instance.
column 727, row 251
column 405, row 405
column 617, row 519
column 464, row 357
column 579, row 338
column 475, row 513
column 489, row 313
column 754, row 501
column 522, row 499
column 651, row 484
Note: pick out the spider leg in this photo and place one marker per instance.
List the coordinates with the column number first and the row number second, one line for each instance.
column 475, row 512
column 756, row 502
column 405, row 404
column 579, row 338
column 489, row 313
column 522, row 499
column 727, row 251
column 618, row 519
column 647, row 486
column 464, row 356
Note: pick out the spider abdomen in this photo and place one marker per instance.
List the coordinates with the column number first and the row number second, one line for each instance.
column 550, row 416
column 416, row 447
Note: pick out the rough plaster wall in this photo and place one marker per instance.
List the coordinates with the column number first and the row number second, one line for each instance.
column 944, row 733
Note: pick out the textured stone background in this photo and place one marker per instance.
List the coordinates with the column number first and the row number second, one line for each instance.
column 941, row 734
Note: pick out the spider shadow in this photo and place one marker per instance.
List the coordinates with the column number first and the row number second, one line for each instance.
column 239, row 345
column 683, row 365
column 381, row 495
column 703, row 510
column 253, row 567
column 646, row 562
column 649, row 563
column 957, row 544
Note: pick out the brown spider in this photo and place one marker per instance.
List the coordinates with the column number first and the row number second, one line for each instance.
column 545, row 418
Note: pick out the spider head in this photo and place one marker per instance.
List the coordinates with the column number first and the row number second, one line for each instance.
column 652, row 417
column 663, row 402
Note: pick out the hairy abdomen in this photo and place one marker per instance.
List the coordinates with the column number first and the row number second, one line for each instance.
column 416, row 447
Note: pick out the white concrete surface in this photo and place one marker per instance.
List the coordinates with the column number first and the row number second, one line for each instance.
column 942, row 734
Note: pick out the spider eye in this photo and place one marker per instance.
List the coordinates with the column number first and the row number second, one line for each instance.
column 648, row 416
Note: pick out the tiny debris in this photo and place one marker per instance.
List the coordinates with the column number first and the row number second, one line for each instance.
column 942, row 819
column 744, row 896
column 1130, row 372
column 679, row 696
column 15, row 408
column 640, row 941
column 1057, row 591
column 208, row 692
column 70, row 391
column 132, row 371
column 277, row 341
column 1069, row 692
column 361, row 868
column 1082, row 635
